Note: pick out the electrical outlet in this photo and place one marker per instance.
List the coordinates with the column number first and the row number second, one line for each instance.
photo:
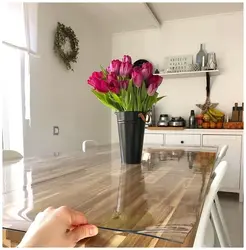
column 55, row 130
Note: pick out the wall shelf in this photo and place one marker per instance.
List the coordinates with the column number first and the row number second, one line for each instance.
column 189, row 74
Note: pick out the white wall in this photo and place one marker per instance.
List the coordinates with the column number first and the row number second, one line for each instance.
column 63, row 98
column 222, row 34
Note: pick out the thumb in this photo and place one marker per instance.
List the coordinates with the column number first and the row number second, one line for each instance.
column 83, row 231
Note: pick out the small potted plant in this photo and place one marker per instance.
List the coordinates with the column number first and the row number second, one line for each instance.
column 130, row 92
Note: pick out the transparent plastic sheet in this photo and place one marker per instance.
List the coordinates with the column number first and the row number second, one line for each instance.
column 161, row 198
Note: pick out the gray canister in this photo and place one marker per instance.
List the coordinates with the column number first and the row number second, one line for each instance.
column 192, row 119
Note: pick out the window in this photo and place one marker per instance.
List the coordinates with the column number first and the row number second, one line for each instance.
column 19, row 43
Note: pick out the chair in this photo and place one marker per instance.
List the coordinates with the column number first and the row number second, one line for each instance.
column 221, row 155
column 209, row 235
column 209, row 238
column 87, row 144
column 219, row 158
column 11, row 155
column 210, row 209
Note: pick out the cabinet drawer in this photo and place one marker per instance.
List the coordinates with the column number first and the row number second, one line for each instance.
column 153, row 139
column 186, row 140
column 231, row 180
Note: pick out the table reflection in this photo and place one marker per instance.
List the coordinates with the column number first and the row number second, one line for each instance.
column 150, row 159
column 132, row 207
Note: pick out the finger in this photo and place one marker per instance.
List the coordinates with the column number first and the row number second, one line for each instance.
column 83, row 232
column 39, row 216
column 71, row 217
column 49, row 209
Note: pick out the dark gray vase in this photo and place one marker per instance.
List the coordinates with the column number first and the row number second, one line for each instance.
column 131, row 135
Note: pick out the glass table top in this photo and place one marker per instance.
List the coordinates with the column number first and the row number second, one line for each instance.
column 162, row 197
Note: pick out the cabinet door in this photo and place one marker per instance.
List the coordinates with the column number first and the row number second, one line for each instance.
column 153, row 139
column 231, row 180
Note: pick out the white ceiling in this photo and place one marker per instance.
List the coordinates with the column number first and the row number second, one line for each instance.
column 172, row 11
column 120, row 17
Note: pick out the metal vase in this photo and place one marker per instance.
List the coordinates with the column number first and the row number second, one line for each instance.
column 131, row 134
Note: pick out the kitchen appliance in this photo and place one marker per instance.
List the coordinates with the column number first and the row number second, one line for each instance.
column 177, row 122
column 150, row 118
column 163, row 120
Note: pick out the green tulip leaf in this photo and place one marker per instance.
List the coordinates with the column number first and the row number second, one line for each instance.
column 105, row 73
column 143, row 91
column 101, row 97
column 139, row 100
column 159, row 98
column 116, row 98
column 110, row 99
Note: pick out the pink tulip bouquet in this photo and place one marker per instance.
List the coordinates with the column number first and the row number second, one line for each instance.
column 123, row 87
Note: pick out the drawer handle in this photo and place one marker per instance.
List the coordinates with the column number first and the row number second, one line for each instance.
column 182, row 142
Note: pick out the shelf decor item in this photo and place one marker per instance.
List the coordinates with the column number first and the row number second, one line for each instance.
column 131, row 92
column 189, row 67
column 66, row 45
column 178, row 63
column 212, row 63
column 196, row 67
column 200, row 55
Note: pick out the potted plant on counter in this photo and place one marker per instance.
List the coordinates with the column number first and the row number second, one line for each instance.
column 130, row 92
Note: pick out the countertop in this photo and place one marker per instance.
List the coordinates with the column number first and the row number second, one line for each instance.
column 157, row 203
column 198, row 131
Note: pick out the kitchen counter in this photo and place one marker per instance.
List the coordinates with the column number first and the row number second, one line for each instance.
column 154, row 204
column 198, row 131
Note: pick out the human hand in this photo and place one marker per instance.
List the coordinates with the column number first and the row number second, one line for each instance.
column 61, row 227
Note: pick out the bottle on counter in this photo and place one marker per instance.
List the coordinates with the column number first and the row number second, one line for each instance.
column 192, row 119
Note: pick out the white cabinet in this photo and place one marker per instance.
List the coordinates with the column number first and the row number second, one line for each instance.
column 231, row 181
column 153, row 139
column 183, row 140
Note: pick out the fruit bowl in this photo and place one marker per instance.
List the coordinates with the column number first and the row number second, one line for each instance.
column 212, row 119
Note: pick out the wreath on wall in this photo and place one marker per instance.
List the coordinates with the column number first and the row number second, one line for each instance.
column 66, row 45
